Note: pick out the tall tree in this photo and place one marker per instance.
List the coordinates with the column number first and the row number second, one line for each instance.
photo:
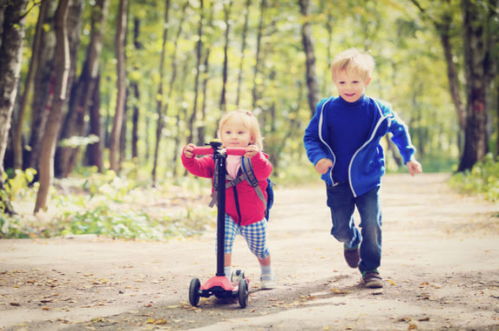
column 114, row 148
column 225, row 70
column 12, row 15
column 199, row 54
column 94, row 150
column 256, row 69
column 206, row 78
column 61, row 75
column 243, row 51
column 83, row 90
column 44, row 85
column 477, row 56
column 28, row 87
column 308, row 47
column 134, row 86
column 443, row 26
column 160, row 93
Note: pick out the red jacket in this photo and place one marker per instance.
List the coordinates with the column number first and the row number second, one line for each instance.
column 251, row 208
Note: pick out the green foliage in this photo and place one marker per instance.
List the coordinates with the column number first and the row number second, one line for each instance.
column 14, row 186
column 112, row 206
column 482, row 179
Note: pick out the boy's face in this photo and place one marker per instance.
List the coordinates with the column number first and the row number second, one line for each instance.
column 235, row 134
column 351, row 85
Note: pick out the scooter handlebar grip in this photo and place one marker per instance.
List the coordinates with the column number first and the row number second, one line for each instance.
column 202, row 150
column 236, row 151
column 207, row 150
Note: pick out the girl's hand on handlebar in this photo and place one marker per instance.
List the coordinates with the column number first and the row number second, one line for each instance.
column 188, row 151
column 251, row 151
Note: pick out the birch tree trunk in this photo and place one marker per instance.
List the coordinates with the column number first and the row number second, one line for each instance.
column 61, row 76
column 308, row 47
column 114, row 148
column 11, row 41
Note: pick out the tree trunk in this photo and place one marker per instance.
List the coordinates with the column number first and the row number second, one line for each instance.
column 174, row 64
column 94, row 151
column 225, row 70
column 114, row 148
column 255, row 94
column 206, row 79
column 308, row 47
column 243, row 51
column 134, row 86
column 61, row 76
column 25, row 97
column 63, row 156
column 44, row 86
column 199, row 53
column 83, row 90
column 443, row 27
column 476, row 54
column 11, row 42
column 160, row 93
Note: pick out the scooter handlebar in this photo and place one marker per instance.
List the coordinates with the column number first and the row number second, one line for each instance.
column 209, row 150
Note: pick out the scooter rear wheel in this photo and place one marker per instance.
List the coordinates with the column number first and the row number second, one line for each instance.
column 243, row 293
column 194, row 294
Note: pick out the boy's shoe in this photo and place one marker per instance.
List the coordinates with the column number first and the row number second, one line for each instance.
column 352, row 256
column 372, row 280
column 267, row 282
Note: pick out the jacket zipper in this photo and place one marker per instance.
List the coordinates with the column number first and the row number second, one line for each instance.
column 363, row 145
column 236, row 200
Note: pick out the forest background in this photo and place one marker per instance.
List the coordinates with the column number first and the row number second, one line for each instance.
column 99, row 96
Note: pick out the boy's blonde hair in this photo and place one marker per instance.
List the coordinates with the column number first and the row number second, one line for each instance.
column 353, row 60
column 249, row 121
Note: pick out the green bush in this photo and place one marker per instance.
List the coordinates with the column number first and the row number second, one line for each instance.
column 482, row 179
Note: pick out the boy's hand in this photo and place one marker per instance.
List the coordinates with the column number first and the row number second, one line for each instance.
column 323, row 166
column 414, row 167
column 188, row 151
column 251, row 151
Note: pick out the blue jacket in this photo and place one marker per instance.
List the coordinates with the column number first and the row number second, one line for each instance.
column 367, row 165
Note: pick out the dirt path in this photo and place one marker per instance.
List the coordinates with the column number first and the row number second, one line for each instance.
column 440, row 264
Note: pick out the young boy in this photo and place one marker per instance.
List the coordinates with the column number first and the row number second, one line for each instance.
column 343, row 142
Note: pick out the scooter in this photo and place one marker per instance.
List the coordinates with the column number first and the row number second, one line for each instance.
column 219, row 285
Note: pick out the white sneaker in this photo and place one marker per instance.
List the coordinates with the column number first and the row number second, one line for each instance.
column 267, row 282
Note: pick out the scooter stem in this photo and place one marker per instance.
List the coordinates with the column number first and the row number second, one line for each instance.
column 220, row 187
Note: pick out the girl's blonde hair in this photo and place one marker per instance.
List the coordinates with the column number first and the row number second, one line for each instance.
column 353, row 60
column 249, row 121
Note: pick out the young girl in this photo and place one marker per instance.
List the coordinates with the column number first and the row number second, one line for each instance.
column 245, row 212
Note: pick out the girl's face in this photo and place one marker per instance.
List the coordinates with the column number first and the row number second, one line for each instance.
column 351, row 85
column 235, row 134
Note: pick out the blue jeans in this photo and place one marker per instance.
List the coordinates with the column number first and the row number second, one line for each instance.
column 342, row 204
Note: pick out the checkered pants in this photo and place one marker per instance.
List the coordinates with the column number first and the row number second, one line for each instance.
column 255, row 235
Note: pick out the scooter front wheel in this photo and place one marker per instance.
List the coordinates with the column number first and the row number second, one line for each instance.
column 194, row 294
column 243, row 293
